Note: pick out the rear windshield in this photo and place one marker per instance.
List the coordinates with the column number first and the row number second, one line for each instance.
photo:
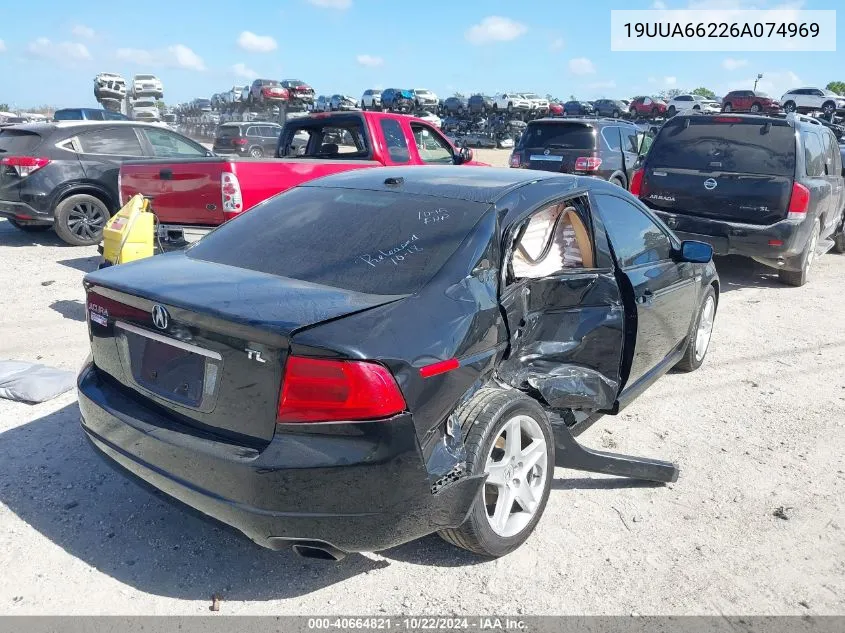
column 228, row 130
column 559, row 136
column 743, row 146
column 376, row 242
column 69, row 115
column 18, row 141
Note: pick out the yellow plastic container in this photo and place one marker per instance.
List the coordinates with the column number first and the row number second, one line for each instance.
column 130, row 233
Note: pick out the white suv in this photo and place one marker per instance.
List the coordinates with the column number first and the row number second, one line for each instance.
column 682, row 103
column 538, row 104
column 147, row 86
column 371, row 99
column 811, row 99
column 425, row 99
column 510, row 101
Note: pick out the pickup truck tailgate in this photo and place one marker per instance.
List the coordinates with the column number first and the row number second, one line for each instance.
column 183, row 191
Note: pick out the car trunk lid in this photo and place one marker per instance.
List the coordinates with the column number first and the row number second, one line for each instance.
column 206, row 341
column 739, row 169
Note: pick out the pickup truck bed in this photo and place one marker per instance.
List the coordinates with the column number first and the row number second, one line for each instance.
column 192, row 195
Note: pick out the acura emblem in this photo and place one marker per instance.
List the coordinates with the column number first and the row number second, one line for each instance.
column 547, row 152
column 710, row 184
column 160, row 317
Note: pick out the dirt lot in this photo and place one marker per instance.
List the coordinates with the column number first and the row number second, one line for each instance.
column 755, row 524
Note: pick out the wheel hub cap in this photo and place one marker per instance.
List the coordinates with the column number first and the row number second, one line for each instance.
column 705, row 328
column 516, row 475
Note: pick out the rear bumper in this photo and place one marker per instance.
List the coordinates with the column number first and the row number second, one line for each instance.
column 750, row 240
column 23, row 212
column 357, row 488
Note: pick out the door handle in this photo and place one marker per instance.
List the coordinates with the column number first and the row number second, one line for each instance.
column 647, row 298
column 166, row 174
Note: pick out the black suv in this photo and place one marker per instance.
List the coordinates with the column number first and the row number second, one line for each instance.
column 247, row 139
column 770, row 188
column 610, row 107
column 606, row 148
column 64, row 174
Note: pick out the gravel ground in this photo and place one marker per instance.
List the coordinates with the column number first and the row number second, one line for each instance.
column 753, row 526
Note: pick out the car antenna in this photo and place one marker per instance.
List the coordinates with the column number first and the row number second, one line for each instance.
column 394, row 180
column 686, row 123
column 767, row 127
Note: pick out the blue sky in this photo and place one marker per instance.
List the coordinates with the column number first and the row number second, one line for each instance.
column 50, row 50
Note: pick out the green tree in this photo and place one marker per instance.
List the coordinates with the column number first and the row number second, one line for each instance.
column 4, row 107
column 836, row 86
column 458, row 95
column 572, row 98
column 704, row 92
column 161, row 106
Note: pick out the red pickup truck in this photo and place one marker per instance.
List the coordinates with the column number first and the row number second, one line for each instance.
column 190, row 196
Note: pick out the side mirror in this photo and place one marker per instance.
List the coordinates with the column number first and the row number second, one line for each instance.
column 464, row 154
column 695, row 252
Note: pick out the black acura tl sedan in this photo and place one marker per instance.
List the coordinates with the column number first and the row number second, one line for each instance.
column 382, row 354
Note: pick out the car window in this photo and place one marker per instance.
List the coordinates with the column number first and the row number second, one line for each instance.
column 554, row 239
column 631, row 139
column 394, row 138
column 167, row 144
column 328, row 139
column 830, row 152
column 379, row 242
column 813, row 154
column 432, row 148
column 726, row 143
column 610, row 134
column 18, row 141
column 635, row 237
column 119, row 141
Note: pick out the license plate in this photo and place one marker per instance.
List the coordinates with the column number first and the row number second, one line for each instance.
column 550, row 157
column 174, row 370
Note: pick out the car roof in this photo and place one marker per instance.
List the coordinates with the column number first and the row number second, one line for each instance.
column 48, row 126
column 468, row 183
column 582, row 119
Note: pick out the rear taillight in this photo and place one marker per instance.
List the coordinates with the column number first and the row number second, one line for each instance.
column 587, row 163
column 515, row 160
column 636, row 182
column 24, row 165
column 231, row 190
column 120, row 188
column 727, row 119
column 321, row 390
column 239, row 141
column 799, row 202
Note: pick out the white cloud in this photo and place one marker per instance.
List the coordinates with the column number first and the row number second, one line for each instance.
column 557, row 44
column 64, row 52
column 670, row 81
column 495, row 28
column 581, row 66
column 667, row 82
column 243, row 71
column 85, row 32
column 176, row 56
column 729, row 63
column 186, row 58
column 2, row 46
column 658, row 5
column 340, row 5
column 369, row 60
column 249, row 41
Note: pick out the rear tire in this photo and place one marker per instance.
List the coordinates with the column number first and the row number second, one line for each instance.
column 30, row 228
column 727, row 108
column 616, row 114
column 256, row 152
column 756, row 108
column 71, row 215
column 789, row 106
column 828, row 108
column 798, row 278
column 699, row 341
column 655, row 112
column 485, row 420
column 671, row 111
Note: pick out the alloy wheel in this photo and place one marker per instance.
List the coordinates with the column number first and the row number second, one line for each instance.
column 86, row 220
column 516, row 475
column 811, row 248
column 705, row 328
